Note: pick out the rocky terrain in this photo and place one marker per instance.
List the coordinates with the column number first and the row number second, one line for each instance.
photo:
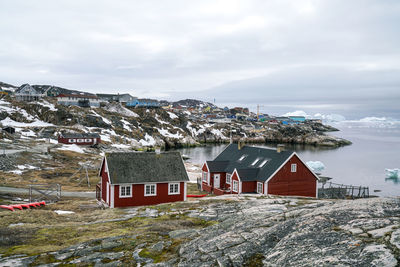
column 141, row 127
column 239, row 231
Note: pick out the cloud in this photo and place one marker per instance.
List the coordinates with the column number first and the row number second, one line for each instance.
column 332, row 50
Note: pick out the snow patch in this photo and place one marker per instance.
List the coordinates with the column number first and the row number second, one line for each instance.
column 166, row 133
column 61, row 212
column 121, row 146
column 148, row 140
column 37, row 123
column 172, row 115
column 118, row 108
column 72, row 147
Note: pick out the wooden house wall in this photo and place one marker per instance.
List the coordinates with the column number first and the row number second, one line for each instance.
column 299, row 183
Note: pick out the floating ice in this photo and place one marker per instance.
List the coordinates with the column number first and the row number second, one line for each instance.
column 316, row 166
column 392, row 173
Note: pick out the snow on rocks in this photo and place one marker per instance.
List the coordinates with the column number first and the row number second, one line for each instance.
column 36, row 123
column 148, row 140
column 62, row 212
column 118, row 108
column 72, row 147
column 172, row 115
column 166, row 133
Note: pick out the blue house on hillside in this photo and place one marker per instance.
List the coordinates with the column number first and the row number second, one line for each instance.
column 148, row 103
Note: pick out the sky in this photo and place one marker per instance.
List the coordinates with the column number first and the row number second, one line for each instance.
column 328, row 56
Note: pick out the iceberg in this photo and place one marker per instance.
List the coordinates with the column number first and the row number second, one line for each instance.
column 316, row 166
column 392, row 173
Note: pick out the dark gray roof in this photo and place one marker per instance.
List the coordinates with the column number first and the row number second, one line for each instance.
column 79, row 135
column 145, row 167
column 217, row 166
column 247, row 171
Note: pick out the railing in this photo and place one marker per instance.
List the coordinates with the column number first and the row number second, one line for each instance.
column 332, row 190
column 48, row 192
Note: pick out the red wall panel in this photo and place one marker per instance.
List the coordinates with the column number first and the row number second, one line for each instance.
column 299, row 183
column 138, row 198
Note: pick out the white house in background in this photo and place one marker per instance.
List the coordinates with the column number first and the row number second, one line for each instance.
column 78, row 100
column 27, row 93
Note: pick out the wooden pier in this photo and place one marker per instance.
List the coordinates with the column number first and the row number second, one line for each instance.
column 342, row 191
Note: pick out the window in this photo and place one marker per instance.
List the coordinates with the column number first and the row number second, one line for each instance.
column 81, row 140
column 255, row 162
column 125, row 191
column 294, row 168
column 88, row 140
column 173, row 189
column 204, row 177
column 150, row 190
column 72, row 140
column 259, row 188
column 262, row 164
column 235, row 186
column 228, row 178
column 242, row 158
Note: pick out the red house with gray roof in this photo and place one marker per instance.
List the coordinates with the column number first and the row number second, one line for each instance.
column 141, row 178
column 250, row 169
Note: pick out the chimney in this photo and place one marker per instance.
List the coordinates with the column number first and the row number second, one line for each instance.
column 240, row 145
column 280, row 148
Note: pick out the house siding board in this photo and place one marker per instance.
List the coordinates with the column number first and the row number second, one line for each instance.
column 138, row 198
column 299, row 183
column 249, row 187
column 206, row 187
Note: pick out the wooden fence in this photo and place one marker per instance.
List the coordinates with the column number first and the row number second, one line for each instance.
column 332, row 190
column 46, row 192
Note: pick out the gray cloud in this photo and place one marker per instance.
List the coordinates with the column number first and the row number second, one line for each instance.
column 343, row 54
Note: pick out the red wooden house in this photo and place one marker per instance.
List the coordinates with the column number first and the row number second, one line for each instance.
column 79, row 139
column 260, row 170
column 142, row 178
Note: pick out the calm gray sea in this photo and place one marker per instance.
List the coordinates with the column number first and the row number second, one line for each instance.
column 374, row 149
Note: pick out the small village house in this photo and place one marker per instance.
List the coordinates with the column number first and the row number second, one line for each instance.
column 27, row 93
column 121, row 98
column 246, row 169
column 80, row 100
column 141, row 178
column 79, row 139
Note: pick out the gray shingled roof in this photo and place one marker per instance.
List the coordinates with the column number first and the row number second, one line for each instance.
column 246, row 170
column 145, row 167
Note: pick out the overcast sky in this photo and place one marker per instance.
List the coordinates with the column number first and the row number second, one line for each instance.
column 335, row 56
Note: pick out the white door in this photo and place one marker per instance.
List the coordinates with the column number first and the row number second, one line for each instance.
column 216, row 180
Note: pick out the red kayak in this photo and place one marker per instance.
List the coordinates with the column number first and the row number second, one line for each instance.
column 7, row 207
column 196, row 195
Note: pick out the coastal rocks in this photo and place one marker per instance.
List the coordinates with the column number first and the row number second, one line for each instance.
column 317, row 233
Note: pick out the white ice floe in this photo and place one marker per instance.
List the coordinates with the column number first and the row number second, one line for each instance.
column 392, row 173
column 61, row 212
column 147, row 141
column 316, row 166
column 72, row 147
column 172, row 115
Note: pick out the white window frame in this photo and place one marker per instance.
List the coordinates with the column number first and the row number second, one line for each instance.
column 155, row 190
column 174, row 184
column 228, row 175
column 259, row 191
column 72, row 140
column 293, row 167
column 204, row 178
column 88, row 140
column 80, row 140
column 235, row 186
column 125, row 195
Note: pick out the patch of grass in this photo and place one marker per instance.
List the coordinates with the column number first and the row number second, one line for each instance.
column 255, row 261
